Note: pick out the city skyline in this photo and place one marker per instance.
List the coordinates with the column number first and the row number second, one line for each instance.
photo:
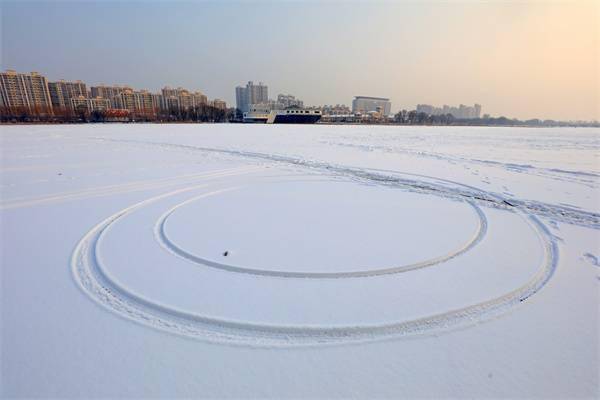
column 34, row 92
column 498, row 54
column 34, row 95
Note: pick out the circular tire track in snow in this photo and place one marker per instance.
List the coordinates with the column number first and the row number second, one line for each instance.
column 94, row 280
column 168, row 244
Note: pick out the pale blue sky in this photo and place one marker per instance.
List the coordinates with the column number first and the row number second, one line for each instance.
column 519, row 59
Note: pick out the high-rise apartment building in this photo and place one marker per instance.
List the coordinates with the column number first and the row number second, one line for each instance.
column 27, row 92
column 82, row 103
column 220, row 104
column 477, row 111
column 426, row 108
column 144, row 101
column 182, row 99
column 137, row 102
column 171, row 103
column 199, row 98
column 257, row 94
column 33, row 94
column 338, row 109
column 241, row 98
column 62, row 92
column 170, row 92
column 186, row 100
column 158, row 101
column 365, row 104
column 461, row 112
column 124, row 100
column 251, row 94
column 287, row 100
column 107, row 92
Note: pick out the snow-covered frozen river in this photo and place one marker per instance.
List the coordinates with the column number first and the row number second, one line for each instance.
column 299, row 261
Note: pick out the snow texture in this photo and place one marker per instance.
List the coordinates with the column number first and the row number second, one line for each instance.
column 299, row 261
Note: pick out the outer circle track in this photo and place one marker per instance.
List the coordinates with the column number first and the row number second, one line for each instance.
column 95, row 281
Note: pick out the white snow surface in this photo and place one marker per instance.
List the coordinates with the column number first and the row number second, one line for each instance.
column 245, row 261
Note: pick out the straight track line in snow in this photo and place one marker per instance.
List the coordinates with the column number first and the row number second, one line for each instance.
column 560, row 213
column 125, row 188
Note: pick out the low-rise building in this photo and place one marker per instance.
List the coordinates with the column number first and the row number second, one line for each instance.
column 366, row 104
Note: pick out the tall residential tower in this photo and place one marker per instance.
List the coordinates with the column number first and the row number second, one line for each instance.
column 62, row 92
column 28, row 92
column 251, row 94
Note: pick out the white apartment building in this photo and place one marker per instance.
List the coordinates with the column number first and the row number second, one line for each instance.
column 25, row 91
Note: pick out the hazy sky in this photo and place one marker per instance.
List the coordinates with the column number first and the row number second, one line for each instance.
column 519, row 59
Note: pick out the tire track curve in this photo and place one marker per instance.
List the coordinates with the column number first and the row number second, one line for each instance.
column 163, row 239
column 93, row 278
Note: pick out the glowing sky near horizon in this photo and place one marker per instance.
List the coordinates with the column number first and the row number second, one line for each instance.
column 518, row 59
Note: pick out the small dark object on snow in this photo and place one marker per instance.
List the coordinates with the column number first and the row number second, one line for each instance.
column 512, row 205
column 225, row 254
column 60, row 173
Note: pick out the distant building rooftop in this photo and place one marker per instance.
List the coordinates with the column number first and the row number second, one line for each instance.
column 372, row 98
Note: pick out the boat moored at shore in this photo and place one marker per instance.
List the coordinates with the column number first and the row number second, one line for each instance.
column 287, row 116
